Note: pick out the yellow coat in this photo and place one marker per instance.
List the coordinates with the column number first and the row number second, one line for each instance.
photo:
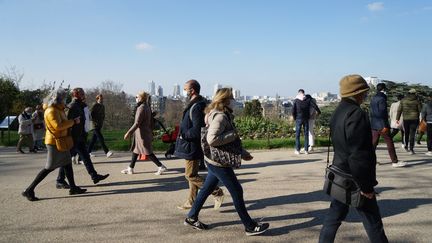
column 56, row 122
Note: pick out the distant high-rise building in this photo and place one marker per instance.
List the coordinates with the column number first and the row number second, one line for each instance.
column 152, row 88
column 216, row 87
column 176, row 92
column 236, row 94
column 160, row 91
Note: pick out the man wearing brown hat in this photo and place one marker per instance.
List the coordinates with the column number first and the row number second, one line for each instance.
column 354, row 154
column 410, row 108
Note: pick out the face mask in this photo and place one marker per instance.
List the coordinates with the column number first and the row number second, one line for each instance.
column 28, row 113
column 186, row 94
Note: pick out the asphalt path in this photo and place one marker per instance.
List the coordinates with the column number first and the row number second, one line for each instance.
column 279, row 187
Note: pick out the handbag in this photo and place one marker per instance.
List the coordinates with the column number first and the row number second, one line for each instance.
column 341, row 186
column 422, row 126
column 228, row 154
column 62, row 143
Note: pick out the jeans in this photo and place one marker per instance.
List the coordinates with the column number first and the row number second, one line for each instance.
column 410, row 127
column 97, row 135
column 227, row 176
column 394, row 131
column 299, row 124
column 389, row 141
column 80, row 149
column 196, row 181
column 369, row 214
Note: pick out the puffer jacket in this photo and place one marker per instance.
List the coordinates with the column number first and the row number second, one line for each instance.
column 410, row 107
column 57, row 123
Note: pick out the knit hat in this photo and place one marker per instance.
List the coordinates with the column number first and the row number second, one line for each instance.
column 412, row 91
column 351, row 85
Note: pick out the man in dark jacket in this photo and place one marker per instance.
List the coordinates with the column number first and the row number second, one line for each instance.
column 427, row 117
column 98, row 117
column 76, row 109
column 188, row 144
column 354, row 153
column 301, row 112
column 380, row 123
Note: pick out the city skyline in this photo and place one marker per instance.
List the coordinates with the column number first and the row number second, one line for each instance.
column 260, row 48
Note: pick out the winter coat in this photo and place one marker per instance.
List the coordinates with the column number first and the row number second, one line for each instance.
column 410, row 107
column 57, row 123
column 97, row 115
column 76, row 109
column 393, row 112
column 378, row 112
column 221, row 130
column 188, row 144
column 142, row 130
column 38, row 125
column 427, row 112
column 25, row 124
column 302, row 108
column 352, row 143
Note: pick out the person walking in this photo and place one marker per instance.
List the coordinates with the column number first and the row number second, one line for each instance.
column 380, row 123
column 221, row 130
column 427, row 116
column 312, row 119
column 301, row 113
column 38, row 128
column 97, row 118
column 76, row 109
column 188, row 143
column 354, row 154
column 25, row 130
column 142, row 134
column 396, row 127
column 410, row 108
column 58, row 127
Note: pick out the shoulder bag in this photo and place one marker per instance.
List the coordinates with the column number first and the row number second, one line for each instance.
column 341, row 186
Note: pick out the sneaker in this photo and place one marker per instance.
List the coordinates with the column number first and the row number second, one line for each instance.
column 399, row 164
column 20, row 151
column 99, row 178
column 76, row 190
column 128, row 171
column 185, row 206
column 402, row 146
column 75, row 159
column 429, row 153
column 196, row 224
column 311, row 148
column 406, row 148
column 161, row 170
column 62, row 185
column 411, row 152
column 109, row 154
column 218, row 201
column 297, row 152
column 257, row 230
column 92, row 155
column 306, row 152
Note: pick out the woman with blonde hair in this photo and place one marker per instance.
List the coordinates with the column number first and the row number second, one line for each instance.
column 142, row 131
column 221, row 131
column 57, row 128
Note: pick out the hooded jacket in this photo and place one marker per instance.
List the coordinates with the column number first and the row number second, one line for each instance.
column 378, row 112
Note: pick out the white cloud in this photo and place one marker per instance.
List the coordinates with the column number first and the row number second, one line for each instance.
column 143, row 46
column 375, row 6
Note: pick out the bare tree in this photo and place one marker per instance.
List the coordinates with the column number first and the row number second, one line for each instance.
column 12, row 73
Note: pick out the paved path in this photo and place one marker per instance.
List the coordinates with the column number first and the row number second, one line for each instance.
column 280, row 187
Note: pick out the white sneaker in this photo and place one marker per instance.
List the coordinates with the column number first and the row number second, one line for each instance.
column 92, row 155
column 429, row 153
column 161, row 170
column 128, row 171
column 399, row 164
column 402, row 146
column 75, row 159
column 218, row 201
column 109, row 154
column 311, row 148
column 296, row 152
column 306, row 152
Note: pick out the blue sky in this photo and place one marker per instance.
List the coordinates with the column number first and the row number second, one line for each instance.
column 260, row 47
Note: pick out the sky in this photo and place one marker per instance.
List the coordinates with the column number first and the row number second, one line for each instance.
column 261, row 47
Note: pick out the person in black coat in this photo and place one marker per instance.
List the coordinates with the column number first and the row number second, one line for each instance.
column 188, row 144
column 380, row 123
column 76, row 109
column 354, row 153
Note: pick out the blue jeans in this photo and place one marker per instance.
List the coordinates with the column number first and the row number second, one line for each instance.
column 97, row 135
column 227, row 176
column 299, row 124
column 80, row 149
column 370, row 216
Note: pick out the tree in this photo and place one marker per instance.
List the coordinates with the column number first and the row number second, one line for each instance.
column 9, row 92
column 253, row 109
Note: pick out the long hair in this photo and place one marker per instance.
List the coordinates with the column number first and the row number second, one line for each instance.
column 220, row 100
